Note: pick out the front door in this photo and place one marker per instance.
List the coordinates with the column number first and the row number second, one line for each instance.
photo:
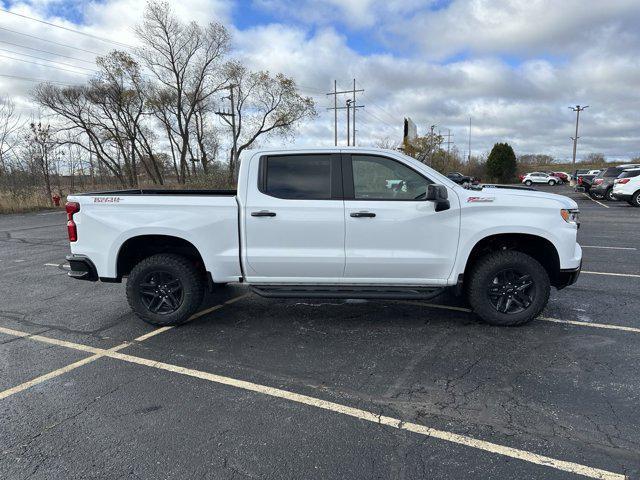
column 295, row 220
column 393, row 235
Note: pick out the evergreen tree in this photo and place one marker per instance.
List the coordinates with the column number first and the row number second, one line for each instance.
column 501, row 163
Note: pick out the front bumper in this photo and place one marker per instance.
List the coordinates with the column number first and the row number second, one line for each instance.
column 567, row 277
column 82, row 268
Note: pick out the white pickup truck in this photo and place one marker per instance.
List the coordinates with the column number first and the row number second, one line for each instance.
column 329, row 223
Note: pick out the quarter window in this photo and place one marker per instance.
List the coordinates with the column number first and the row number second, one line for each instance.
column 379, row 178
column 300, row 177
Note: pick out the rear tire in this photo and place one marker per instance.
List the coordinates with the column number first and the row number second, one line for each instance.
column 165, row 289
column 635, row 200
column 511, row 279
column 552, row 182
column 528, row 183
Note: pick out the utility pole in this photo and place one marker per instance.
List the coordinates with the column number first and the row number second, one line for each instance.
column 354, row 111
column 350, row 104
column 576, row 109
column 448, row 141
column 349, row 101
column 232, row 123
column 469, row 159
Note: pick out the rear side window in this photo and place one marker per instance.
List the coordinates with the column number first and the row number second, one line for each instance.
column 300, row 177
column 629, row 174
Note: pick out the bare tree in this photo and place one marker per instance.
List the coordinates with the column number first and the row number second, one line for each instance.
column 185, row 59
column 10, row 125
column 264, row 105
column 107, row 117
column 40, row 145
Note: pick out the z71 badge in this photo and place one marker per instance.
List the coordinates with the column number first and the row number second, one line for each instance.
column 479, row 199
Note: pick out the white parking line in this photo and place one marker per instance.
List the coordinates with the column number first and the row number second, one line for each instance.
column 609, row 248
column 594, row 200
column 612, row 274
column 358, row 413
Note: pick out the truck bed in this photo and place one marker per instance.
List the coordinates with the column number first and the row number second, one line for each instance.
column 154, row 191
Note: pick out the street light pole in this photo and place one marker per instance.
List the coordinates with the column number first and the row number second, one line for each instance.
column 576, row 109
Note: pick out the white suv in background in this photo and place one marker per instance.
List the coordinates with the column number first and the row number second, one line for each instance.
column 627, row 187
column 540, row 177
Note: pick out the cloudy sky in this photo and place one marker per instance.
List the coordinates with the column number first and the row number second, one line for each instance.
column 513, row 66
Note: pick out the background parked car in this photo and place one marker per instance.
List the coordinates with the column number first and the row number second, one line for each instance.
column 459, row 178
column 602, row 185
column 564, row 176
column 627, row 187
column 540, row 177
column 583, row 181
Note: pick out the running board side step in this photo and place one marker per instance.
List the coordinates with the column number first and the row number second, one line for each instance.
column 347, row 291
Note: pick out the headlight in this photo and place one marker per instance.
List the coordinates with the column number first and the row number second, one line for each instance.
column 571, row 216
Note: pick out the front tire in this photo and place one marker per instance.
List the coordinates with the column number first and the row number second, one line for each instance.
column 635, row 200
column 508, row 288
column 609, row 196
column 165, row 289
column 552, row 182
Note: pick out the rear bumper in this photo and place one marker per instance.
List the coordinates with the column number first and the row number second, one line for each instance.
column 567, row 277
column 622, row 196
column 600, row 189
column 82, row 268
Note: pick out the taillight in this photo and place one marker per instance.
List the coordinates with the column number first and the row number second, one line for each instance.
column 579, row 180
column 598, row 181
column 72, row 208
column 622, row 180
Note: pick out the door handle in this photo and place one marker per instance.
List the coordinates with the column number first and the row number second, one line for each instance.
column 363, row 214
column 263, row 213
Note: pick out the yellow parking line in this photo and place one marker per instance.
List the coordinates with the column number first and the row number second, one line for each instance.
column 358, row 413
column 621, row 328
column 97, row 352
column 633, row 275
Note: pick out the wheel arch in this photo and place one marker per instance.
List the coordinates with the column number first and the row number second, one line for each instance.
column 136, row 248
column 538, row 247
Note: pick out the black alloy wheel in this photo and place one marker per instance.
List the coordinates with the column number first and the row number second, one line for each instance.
column 161, row 292
column 511, row 291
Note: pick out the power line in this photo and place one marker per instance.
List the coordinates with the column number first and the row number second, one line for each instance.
column 36, row 80
column 47, row 52
column 44, row 65
column 370, row 113
column 49, row 41
column 47, row 60
column 96, row 37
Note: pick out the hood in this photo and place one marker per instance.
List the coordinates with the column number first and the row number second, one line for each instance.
column 515, row 196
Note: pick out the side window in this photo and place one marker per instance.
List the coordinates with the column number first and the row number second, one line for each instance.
column 300, row 177
column 379, row 178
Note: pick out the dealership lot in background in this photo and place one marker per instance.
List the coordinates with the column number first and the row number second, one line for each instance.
column 154, row 407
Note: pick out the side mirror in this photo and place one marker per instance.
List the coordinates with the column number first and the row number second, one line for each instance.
column 439, row 195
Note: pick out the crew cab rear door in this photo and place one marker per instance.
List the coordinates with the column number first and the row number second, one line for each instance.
column 294, row 219
column 394, row 235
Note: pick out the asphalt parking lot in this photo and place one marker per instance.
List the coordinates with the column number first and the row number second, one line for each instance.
column 258, row 388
